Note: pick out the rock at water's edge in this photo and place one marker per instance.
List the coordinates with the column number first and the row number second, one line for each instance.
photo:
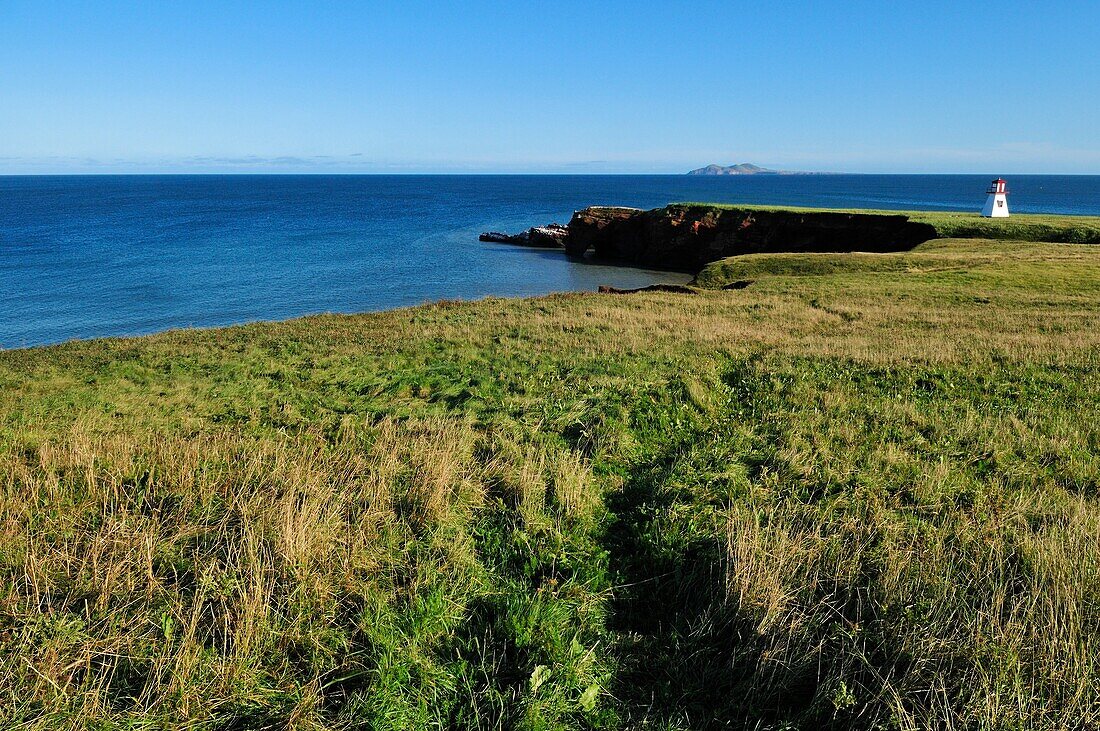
column 673, row 288
column 688, row 237
column 550, row 236
column 496, row 237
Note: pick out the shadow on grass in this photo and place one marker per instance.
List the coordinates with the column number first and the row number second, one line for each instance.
column 686, row 655
column 683, row 656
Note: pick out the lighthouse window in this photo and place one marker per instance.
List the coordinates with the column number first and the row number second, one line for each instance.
column 1000, row 204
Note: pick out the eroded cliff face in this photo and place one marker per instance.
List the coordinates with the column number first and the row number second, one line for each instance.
column 687, row 238
column 592, row 227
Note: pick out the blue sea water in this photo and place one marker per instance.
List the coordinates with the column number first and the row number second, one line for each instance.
column 90, row 256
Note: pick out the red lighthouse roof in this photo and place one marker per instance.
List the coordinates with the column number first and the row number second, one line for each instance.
column 998, row 186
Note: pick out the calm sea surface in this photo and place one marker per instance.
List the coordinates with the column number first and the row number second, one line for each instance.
column 84, row 257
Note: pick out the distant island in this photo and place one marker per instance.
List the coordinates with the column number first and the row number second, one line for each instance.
column 744, row 168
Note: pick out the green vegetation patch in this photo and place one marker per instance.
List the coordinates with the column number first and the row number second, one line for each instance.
column 1025, row 264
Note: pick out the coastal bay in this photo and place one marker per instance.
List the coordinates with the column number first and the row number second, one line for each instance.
column 93, row 256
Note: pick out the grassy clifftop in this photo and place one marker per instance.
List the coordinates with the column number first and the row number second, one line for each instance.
column 1055, row 228
column 861, row 492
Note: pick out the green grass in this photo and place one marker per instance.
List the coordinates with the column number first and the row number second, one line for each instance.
column 861, row 493
column 948, row 224
column 1011, row 263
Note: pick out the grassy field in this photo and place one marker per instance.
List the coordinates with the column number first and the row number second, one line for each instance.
column 862, row 492
column 950, row 224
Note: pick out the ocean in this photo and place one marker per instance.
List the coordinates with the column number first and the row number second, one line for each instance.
column 92, row 256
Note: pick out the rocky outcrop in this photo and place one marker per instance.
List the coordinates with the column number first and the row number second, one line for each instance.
column 550, row 236
column 673, row 288
column 686, row 238
column 587, row 227
column 497, row 237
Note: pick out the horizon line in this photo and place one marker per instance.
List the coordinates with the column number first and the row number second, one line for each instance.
column 349, row 174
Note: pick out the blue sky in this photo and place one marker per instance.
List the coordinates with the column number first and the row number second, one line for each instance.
column 562, row 87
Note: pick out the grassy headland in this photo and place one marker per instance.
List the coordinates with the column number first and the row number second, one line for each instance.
column 1054, row 228
column 861, row 492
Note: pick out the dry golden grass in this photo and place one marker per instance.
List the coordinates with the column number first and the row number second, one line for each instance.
column 188, row 561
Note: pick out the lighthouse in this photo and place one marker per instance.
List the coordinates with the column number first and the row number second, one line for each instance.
column 996, row 205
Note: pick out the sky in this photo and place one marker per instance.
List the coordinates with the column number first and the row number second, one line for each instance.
column 548, row 87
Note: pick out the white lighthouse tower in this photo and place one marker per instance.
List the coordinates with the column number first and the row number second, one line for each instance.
column 996, row 205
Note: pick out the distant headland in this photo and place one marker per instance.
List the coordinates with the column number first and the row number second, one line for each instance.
column 686, row 237
column 744, row 168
